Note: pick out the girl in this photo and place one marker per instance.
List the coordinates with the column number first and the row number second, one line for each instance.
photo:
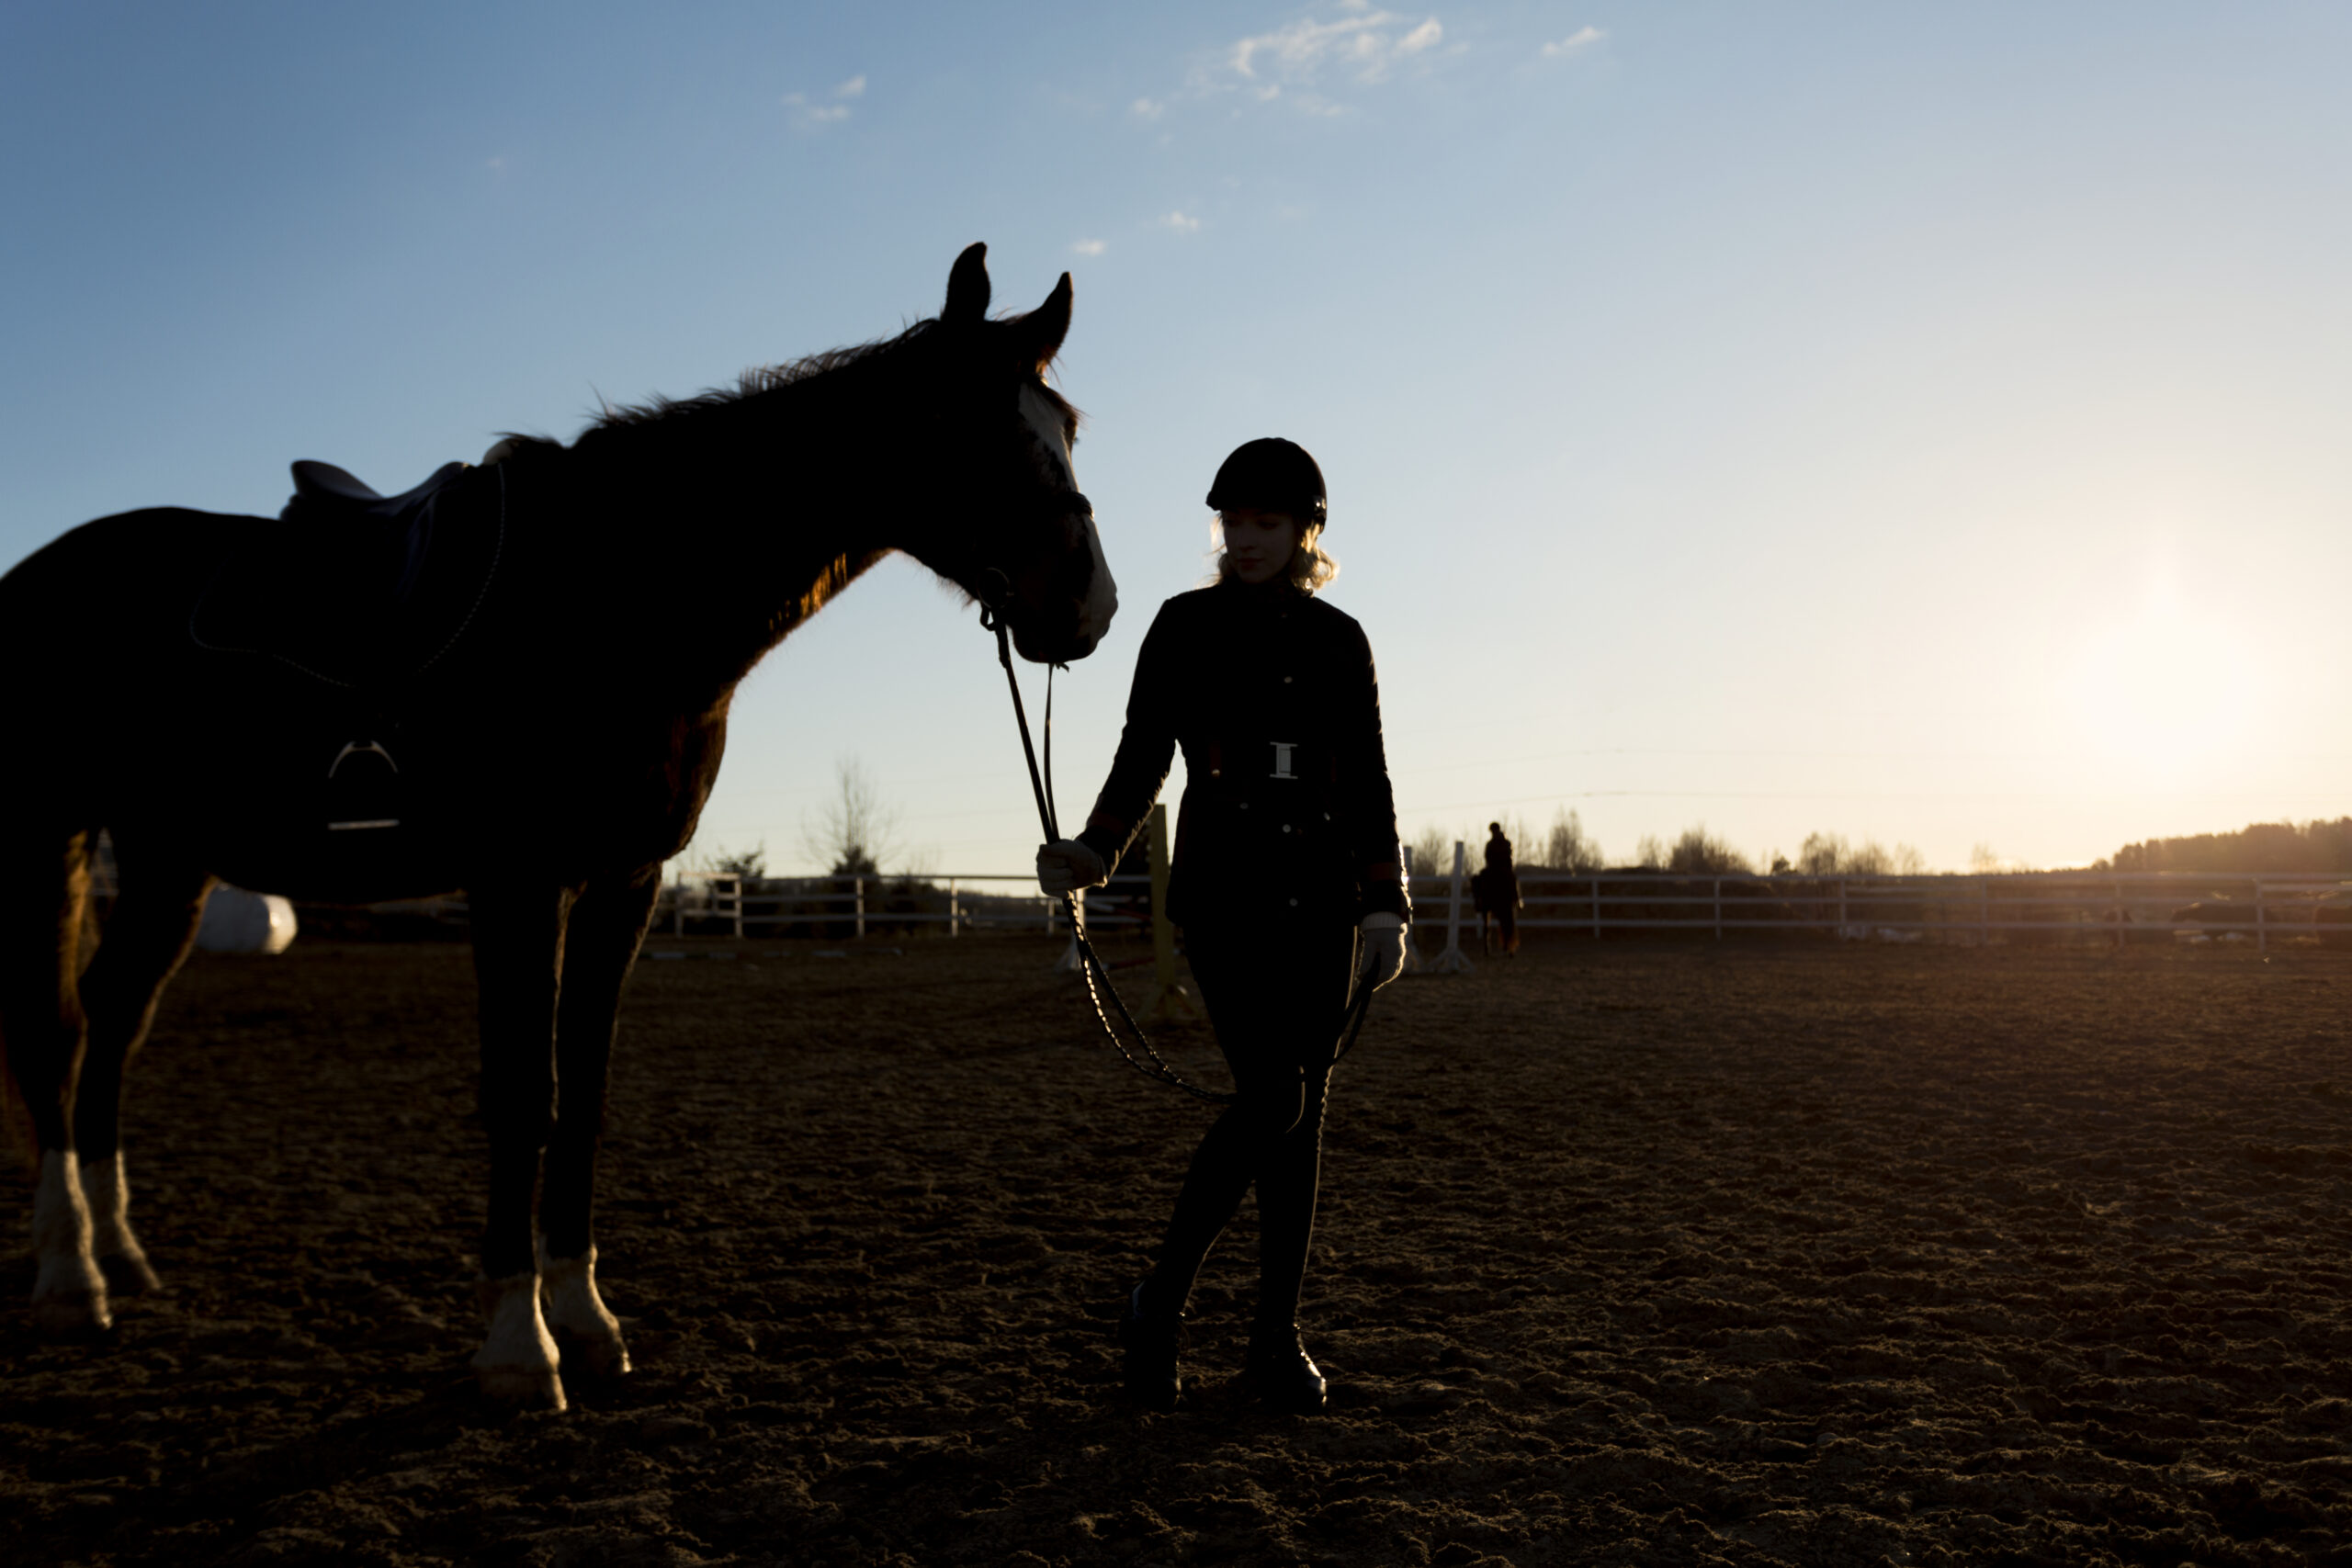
column 1285, row 877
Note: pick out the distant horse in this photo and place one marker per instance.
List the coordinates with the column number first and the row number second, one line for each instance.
column 1493, row 893
column 486, row 686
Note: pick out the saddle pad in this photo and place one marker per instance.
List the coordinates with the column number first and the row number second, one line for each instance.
column 354, row 589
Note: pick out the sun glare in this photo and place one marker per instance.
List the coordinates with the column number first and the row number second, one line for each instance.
column 2166, row 687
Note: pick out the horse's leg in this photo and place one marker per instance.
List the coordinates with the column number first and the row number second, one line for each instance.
column 44, row 888
column 147, row 936
column 607, row 924
column 518, row 960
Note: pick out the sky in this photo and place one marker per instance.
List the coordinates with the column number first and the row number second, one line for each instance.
column 1926, row 424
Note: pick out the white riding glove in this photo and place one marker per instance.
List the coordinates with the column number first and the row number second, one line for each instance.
column 1384, row 949
column 1065, row 865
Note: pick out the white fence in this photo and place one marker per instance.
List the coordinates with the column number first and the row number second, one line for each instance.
column 743, row 906
column 1978, row 910
column 2024, row 907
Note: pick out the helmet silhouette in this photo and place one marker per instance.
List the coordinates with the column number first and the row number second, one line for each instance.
column 1269, row 474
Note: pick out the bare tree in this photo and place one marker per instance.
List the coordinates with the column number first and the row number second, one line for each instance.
column 856, row 830
column 1828, row 854
column 1568, row 847
column 1700, row 851
column 1433, row 852
column 1822, row 854
column 749, row 865
column 1649, row 852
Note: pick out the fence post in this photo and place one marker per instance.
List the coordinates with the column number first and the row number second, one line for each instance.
column 1719, row 909
column 1453, row 960
column 1596, row 906
column 1072, row 960
column 857, row 891
column 1841, row 908
column 2261, row 921
column 955, row 911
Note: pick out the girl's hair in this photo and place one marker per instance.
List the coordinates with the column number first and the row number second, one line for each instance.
column 1311, row 566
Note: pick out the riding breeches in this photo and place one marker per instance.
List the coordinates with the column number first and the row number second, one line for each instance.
column 1278, row 1002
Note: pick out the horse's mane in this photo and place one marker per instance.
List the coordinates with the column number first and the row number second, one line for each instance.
column 771, row 378
column 758, row 379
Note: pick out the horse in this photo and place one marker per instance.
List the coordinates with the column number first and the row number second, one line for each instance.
column 1494, row 896
column 377, row 698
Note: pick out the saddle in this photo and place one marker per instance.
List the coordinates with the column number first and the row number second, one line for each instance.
column 358, row 590
column 363, row 593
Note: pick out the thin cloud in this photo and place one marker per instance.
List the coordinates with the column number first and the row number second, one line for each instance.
column 1584, row 38
column 1182, row 223
column 1365, row 43
column 810, row 114
column 1089, row 247
column 1147, row 108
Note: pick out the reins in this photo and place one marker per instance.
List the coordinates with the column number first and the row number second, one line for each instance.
column 1098, row 976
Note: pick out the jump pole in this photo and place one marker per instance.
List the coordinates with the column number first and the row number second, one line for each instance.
column 1453, row 960
column 1170, row 1000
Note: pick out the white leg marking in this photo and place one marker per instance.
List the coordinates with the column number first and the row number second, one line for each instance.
column 69, row 1295
column 516, row 1363
column 590, row 1335
column 121, row 1258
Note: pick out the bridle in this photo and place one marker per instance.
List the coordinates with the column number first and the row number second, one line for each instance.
column 1098, row 976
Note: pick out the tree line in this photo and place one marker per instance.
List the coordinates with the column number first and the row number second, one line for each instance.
column 1564, row 845
column 2277, row 848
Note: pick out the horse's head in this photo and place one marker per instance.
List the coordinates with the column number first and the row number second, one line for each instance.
column 1007, row 523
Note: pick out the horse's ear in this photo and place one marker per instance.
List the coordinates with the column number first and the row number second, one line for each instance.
column 967, row 286
column 1042, row 329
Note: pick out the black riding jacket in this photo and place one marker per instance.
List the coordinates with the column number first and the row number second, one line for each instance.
column 1287, row 811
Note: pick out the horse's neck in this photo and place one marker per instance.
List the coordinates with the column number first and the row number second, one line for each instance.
column 746, row 525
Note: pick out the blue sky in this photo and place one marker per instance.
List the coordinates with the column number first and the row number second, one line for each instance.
column 1919, row 424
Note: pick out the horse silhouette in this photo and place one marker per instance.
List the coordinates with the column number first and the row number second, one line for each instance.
column 464, row 688
column 1494, row 895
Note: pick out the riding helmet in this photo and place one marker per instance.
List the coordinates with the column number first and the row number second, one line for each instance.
column 1271, row 474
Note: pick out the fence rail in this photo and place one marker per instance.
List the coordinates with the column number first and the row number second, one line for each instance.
column 2027, row 907
column 2107, row 906
column 857, row 902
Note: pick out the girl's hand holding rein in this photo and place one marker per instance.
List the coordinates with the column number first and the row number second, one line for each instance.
column 1065, row 865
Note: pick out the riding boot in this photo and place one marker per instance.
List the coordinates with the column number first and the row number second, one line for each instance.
column 1149, row 1341
column 1281, row 1370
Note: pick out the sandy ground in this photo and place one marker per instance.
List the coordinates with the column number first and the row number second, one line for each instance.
column 1630, row 1255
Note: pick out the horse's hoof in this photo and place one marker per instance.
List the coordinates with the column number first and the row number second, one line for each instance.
column 521, row 1388
column 72, row 1314
column 598, row 1356
column 128, row 1273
